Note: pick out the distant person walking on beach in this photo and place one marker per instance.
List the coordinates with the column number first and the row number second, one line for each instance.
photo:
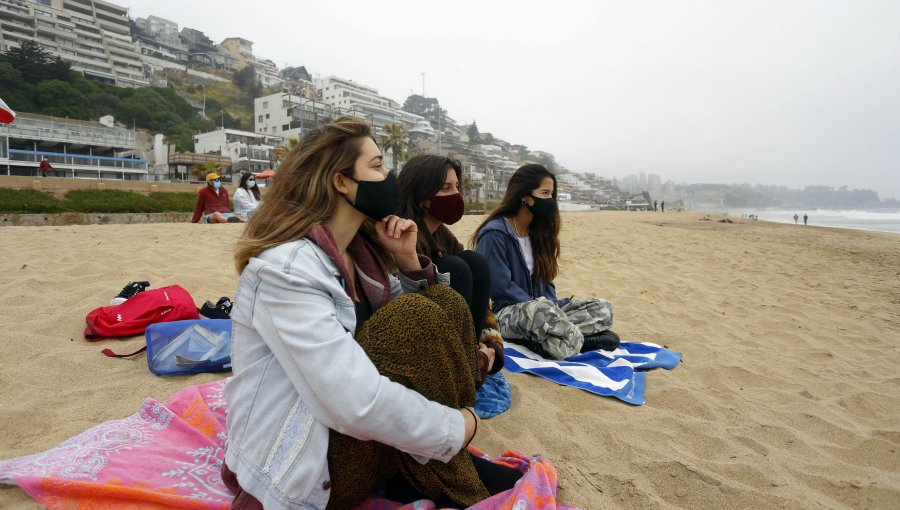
column 662, row 206
column 212, row 203
column 520, row 240
column 796, row 218
column 45, row 167
column 655, row 206
column 805, row 218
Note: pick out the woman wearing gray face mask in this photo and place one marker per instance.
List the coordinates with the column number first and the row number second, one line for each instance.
column 247, row 197
column 520, row 240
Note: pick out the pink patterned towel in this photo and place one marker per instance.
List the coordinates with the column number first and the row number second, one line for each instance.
column 169, row 456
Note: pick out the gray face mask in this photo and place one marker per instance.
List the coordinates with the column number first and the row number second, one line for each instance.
column 377, row 199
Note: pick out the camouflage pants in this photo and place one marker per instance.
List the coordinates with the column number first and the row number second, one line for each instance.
column 559, row 330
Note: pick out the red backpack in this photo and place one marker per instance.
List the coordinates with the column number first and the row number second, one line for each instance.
column 132, row 317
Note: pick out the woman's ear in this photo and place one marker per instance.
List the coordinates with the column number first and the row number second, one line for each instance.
column 339, row 181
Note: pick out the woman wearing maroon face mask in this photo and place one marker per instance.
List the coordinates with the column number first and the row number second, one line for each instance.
column 429, row 195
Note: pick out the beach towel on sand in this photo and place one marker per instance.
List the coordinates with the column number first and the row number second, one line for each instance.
column 615, row 373
column 169, row 456
column 493, row 397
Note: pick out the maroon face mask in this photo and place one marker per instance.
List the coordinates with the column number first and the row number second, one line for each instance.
column 447, row 208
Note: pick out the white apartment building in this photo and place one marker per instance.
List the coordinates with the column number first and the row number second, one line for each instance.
column 253, row 152
column 351, row 98
column 94, row 36
column 160, row 38
column 288, row 115
column 75, row 148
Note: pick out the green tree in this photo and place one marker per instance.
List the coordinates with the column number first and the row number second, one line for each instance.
column 472, row 133
column 428, row 107
column 395, row 138
column 61, row 99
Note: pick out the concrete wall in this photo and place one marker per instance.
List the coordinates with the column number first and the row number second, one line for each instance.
column 40, row 220
column 60, row 185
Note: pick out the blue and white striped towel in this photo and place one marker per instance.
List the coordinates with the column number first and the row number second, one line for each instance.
column 617, row 373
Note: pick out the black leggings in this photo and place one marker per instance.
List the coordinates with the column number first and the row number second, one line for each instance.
column 496, row 479
column 470, row 276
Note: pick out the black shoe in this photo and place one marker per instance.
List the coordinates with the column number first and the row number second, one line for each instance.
column 220, row 310
column 605, row 341
column 234, row 219
column 129, row 291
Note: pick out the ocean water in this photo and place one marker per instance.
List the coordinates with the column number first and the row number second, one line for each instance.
column 880, row 221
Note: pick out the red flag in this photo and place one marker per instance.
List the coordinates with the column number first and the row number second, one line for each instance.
column 6, row 113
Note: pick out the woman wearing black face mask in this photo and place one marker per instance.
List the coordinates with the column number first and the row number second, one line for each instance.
column 353, row 366
column 520, row 240
column 429, row 195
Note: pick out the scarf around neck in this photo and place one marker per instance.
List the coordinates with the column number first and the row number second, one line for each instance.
column 370, row 269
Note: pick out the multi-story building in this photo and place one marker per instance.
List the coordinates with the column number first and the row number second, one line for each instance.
column 75, row 148
column 94, row 36
column 241, row 50
column 249, row 152
column 351, row 98
column 159, row 37
column 288, row 115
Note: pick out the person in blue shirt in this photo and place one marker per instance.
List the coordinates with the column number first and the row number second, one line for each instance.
column 520, row 240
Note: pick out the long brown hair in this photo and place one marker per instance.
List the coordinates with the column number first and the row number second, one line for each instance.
column 544, row 234
column 301, row 194
column 422, row 177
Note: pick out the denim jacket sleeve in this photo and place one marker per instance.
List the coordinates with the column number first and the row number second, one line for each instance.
column 414, row 281
column 504, row 291
column 335, row 378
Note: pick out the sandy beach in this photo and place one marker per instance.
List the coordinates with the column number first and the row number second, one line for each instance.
column 788, row 395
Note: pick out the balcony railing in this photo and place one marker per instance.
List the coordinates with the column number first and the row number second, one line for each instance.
column 80, row 160
column 68, row 131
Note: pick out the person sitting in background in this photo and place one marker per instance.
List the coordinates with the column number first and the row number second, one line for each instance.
column 212, row 203
column 520, row 240
column 246, row 197
column 429, row 195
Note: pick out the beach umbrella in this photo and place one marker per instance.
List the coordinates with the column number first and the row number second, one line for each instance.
column 265, row 174
column 7, row 115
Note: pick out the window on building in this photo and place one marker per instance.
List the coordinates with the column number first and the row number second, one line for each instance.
column 285, row 127
column 267, row 115
column 265, row 104
column 260, row 118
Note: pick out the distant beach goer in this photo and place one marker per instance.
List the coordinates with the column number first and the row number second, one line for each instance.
column 796, row 218
column 45, row 167
column 805, row 218
column 212, row 203
column 347, row 378
column 246, row 197
column 520, row 240
column 662, row 206
column 429, row 195
column 655, row 206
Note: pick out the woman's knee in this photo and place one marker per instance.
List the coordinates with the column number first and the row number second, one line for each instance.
column 478, row 265
column 460, row 273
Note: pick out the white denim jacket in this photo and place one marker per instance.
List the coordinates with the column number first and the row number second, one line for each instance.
column 298, row 372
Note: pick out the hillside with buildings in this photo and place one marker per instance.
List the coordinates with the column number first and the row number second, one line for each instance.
column 241, row 107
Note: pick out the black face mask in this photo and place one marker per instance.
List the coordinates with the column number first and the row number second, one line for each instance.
column 377, row 199
column 543, row 208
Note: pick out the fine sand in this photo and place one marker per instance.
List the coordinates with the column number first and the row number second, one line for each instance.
column 788, row 395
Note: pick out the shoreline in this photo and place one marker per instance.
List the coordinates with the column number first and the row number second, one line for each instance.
column 788, row 396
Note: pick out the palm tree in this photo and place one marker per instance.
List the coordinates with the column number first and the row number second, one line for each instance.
column 395, row 139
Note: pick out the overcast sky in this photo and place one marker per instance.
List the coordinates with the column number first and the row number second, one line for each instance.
column 790, row 93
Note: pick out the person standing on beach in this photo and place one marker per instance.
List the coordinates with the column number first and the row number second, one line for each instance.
column 212, row 203
column 655, row 204
column 520, row 240
column 662, row 206
column 805, row 218
column 429, row 195
column 796, row 218
column 45, row 167
column 354, row 364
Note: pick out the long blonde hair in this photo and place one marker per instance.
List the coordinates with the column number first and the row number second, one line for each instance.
column 301, row 194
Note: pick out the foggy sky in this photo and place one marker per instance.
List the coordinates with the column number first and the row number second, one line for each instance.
column 790, row 93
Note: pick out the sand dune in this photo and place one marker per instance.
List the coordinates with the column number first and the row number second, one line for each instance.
column 788, row 396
